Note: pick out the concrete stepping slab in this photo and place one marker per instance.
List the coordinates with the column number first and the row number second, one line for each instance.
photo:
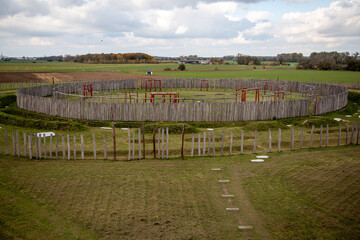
column 245, row 227
column 216, row 169
column 262, row 157
column 232, row 209
column 224, row 181
column 257, row 160
column 227, row 196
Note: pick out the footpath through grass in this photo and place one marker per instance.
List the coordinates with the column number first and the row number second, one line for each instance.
column 308, row 194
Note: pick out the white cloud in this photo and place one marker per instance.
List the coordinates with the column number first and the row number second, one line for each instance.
column 256, row 16
column 36, row 41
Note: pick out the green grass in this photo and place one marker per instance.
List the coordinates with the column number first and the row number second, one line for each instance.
column 307, row 194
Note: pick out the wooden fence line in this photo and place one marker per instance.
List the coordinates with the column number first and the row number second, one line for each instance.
column 331, row 98
column 45, row 150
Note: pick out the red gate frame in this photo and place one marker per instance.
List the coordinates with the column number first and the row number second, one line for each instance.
column 86, row 88
column 271, row 84
column 163, row 94
column 243, row 94
column 277, row 94
column 151, row 81
column 207, row 84
column 236, row 92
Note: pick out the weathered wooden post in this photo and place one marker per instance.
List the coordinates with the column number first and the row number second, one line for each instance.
column 25, row 145
column 162, row 143
column 269, row 140
column 68, row 145
column 302, row 137
column 114, row 140
column 82, row 146
column 50, row 146
column 352, row 133
column 242, row 142
column 139, row 142
column 292, row 138
column 133, row 144
column 14, row 143
column 159, row 143
column 143, row 139
column 255, row 141
column 321, row 130
column 182, row 142
column 311, row 136
column 56, row 147
column 74, row 147
column 209, row 143
column 30, row 146
column 222, row 143
column 45, row 148
column 279, row 140
column 129, row 147
column 167, row 143
column 213, row 140
column 39, row 145
column 6, row 143
column 154, row 145
column 94, row 145
column 327, row 136
column 347, row 134
column 63, row 145
column 339, row 136
column 204, row 147
column 18, row 144
column 199, row 144
column 192, row 145
column 231, row 142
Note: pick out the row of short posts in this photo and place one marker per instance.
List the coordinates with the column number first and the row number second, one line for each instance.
column 205, row 144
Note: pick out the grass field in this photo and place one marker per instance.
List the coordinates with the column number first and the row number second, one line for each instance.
column 192, row 71
column 308, row 194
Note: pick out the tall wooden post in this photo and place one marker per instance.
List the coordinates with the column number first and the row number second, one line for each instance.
column 231, row 142
column 63, row 145
column 143, row 138
column 242, row 142
column 311, row 136
column 139, row 142
column 50, row 147
column 154, row 145
column 199, row 144
column 68, row 144
column 18, row 144
column 347, row 134
column 167, row 143
column 30, row 147
column 25, row 145
column 204, row 144
column 352, row 133
column 45, row 147
column 56, row 147
column 82, row 146
column 321, row 131
column 114, row 140
column 279, row 140
column 222, row 143
column 129, row 147
column 255, row 141
column 192, row 145
column 269, row 140
column 74, row 137
column 327, row 136
column 302, row 137
column 182, row 142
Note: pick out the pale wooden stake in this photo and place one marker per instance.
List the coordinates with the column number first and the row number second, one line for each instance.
column 269, row 140
column 133, row 145
column 242, row 142
column 56, row 147
column 162, row 143
column 68, row 145
column 25, row 145
column 327, row 136
column 213, row 140
column 192, row 145
column 339, row 136
column 222, row 143
column 139, row 142
column 74, row 147
column 63, row 145
column 311, row 136
column 30, row 147
column 182, row 142
column 129, row 147
column 292, row 138
column 39, row 145
column 50, row 147
column 209, row 144
column 94, row 145
column 279, row 140
column 18, row 144
column 231, row 142
column 302, row 137
column 143, row 139
column 255, row 141
column 199, row 144
column 321, row 131
column 36, row 147
column 14, row 143
column 45, row 147
column 82, row 146
column 204, row 147
column 114, row 139
column 154, row 144
column 159, row 143
column 352, row 133
column 167, row 143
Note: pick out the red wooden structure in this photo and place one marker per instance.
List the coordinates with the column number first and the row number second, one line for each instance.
column 207, row 84
column 152, row 84
column 271, row 86
column 277, row 95
column 236, row 92
column 243, row 94
column 86, row 89
column 163, row 94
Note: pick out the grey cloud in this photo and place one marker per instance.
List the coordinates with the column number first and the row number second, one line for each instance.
column 28, row 8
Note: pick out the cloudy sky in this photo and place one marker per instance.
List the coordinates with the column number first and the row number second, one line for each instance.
column 178, row 27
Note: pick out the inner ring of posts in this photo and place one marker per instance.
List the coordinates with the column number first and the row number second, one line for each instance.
column 152, row 91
